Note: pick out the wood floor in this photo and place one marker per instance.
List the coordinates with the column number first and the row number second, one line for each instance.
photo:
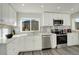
column 74, row 50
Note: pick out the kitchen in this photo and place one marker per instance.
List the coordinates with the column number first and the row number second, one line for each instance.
column 36, row 27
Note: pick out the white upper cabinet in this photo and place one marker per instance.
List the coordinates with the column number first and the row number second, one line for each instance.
column 12, row 16
column 57, row 16
column 67, row 20
column 5, row 13
column 48, row 19
column 0, row 13
column 64, row 17
column 8, row 15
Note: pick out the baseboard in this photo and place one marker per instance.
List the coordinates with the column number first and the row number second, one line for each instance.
column 46, row 48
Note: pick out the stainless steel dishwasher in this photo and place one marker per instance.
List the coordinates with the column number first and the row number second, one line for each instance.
column 46, row 43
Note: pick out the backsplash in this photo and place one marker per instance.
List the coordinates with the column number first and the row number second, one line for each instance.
column 43, row 29
column 60, row 27
column 47, row 29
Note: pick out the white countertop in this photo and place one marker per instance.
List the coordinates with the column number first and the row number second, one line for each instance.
column 26, row 34
column 47, row 33
column 19, row 35
column 14, row 37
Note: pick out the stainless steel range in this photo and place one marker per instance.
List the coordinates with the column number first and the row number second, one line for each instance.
column 61, row 40
column 61, row 37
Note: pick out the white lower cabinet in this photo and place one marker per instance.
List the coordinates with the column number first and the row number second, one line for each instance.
column 72, row 39
column 25, row 43
column 28, row 43
column 53, row 40
column 20, row 43
column 12, row 48
column 37, row 43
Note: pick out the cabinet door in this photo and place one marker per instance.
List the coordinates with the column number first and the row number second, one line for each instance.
column 19, row 43
column 12, row 48
column 56, row 16
column 16, row 46
column 11, row 20
column 8, row 14
column 5, row 13
column 28, row 43
column 53, row 40
column 66, row 19
column 0, row 13
column 72, row 39
column 48, row 21
column 12, row 16
column 37, row 42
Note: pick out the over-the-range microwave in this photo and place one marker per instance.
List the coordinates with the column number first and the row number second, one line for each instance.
column 57, row 22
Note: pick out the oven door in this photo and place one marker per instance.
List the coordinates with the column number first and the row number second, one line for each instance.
column 62, row 39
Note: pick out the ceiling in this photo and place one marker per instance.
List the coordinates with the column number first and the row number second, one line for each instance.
column 48, row 7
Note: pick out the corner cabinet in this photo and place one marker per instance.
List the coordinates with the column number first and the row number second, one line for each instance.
column 8, row 15
column 29, row 24
column 72, row 39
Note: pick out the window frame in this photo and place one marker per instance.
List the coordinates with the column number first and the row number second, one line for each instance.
column 30, row 19
column 76, row 21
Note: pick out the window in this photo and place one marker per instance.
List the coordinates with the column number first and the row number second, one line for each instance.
column 77, row 23
column 34, row 25
column 26, row 26
column 3, row 33
column 29, row 24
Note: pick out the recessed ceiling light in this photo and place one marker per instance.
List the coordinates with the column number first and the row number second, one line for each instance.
column 42, row 6
column 58, row 7
column 72, row 9
column 22, row 4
